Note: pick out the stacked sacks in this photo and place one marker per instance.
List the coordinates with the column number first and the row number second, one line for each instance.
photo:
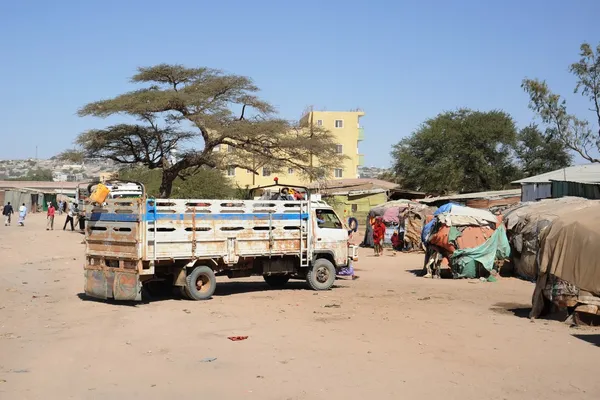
column 470, row 239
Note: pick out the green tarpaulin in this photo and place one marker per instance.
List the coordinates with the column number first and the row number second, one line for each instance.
column 466, row 262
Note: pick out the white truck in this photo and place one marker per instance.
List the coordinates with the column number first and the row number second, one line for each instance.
column 133, row 242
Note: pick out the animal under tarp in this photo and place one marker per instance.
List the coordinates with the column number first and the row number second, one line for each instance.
column 470, row 239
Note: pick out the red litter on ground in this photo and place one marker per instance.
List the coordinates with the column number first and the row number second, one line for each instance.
column 237, row 338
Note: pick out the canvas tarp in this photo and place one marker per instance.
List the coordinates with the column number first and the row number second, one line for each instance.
column 467, row 216
column 380, row 210
column 525, row 224
column 569, row 249
column 465, row 263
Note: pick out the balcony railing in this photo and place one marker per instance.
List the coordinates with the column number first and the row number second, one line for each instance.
column 361, row 134
column 361, row 160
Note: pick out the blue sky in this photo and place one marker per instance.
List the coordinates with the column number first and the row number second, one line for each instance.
column 401, row 62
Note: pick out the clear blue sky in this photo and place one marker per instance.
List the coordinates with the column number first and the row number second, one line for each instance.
column 399, row 61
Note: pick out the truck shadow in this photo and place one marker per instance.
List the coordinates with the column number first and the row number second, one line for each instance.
column 222, row 289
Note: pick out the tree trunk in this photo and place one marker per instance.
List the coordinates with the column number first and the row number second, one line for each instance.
column 166, row 184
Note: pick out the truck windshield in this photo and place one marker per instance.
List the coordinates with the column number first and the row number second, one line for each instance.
column 327, row 219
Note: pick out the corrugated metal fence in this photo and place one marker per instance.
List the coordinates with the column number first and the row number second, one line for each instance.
column 577, row 189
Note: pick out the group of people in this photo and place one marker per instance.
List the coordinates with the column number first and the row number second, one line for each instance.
column 8, row 212
column 72, row 212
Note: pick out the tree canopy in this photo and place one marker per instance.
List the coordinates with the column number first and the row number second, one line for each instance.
column 191, row 112
column 575, row 133
column 202, row 184
column 458, row 151
column 539, row 153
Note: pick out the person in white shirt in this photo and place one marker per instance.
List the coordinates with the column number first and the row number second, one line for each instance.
column 22, row 215
column 70, row 215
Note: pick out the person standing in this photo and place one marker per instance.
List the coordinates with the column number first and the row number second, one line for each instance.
column 50, row 217
column 60, row 207
column 7, row 211
column 22, row 215
column 378, row 235
column 70, row 214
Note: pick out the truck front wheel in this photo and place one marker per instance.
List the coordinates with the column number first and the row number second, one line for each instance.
column 322, row 275
column 201, row 283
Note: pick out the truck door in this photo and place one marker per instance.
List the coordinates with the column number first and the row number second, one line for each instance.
column 330, row 235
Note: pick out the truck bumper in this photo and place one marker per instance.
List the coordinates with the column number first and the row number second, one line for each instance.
column 112, row 283
column 353, row 253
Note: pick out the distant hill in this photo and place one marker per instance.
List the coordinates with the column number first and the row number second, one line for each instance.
column 60, row 170
column 371, row 172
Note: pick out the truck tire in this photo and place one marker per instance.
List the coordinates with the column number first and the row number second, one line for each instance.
column 201, row 283
column 276, row 281
column 321, row 275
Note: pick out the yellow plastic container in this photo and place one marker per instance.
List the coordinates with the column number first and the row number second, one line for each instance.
column 100, row 193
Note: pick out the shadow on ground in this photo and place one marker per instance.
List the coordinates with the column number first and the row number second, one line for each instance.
column 523, row 310
column 445, row 273
column 592, row 339
column 222, row 289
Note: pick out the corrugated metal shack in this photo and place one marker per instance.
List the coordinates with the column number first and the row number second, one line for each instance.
column 356, row 197
column 482, row 200
column 540, row 186
column 35, row 194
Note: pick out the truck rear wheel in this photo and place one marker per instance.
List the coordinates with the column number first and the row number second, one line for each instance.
column 201, row 283
column 276, row 281
column 322, row 275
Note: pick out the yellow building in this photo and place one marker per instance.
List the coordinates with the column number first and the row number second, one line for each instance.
column 344, row 125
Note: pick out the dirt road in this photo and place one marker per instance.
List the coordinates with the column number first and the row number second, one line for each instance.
column 388, row 335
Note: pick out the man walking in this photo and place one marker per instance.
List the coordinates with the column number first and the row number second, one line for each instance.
column 50, row 217
column 22, row 215
column 7, row 211
column 70, row 215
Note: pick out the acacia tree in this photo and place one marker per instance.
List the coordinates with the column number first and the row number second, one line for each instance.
column 576, row 134
column 181, row 108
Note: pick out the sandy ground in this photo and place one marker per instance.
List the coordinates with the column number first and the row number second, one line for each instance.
column 388, row 335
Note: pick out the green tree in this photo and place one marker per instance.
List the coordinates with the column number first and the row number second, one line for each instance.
column 575, row 133
column 204, row 183
column 539, row 153
column 458, row 151
column 178, row 108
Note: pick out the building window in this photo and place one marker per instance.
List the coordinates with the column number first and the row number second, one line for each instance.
column 319, row 122
column 339, row 148
column 290, row 171
column 266, row 172
column 217, row 148
column 231, row 171
column 339, row 123
column 354, row 208
column 338, row 172
column 229, row 148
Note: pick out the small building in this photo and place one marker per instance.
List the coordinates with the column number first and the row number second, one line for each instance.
column 36, row 194
column 483, row 200
column 356, row 197
column 540, row 186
